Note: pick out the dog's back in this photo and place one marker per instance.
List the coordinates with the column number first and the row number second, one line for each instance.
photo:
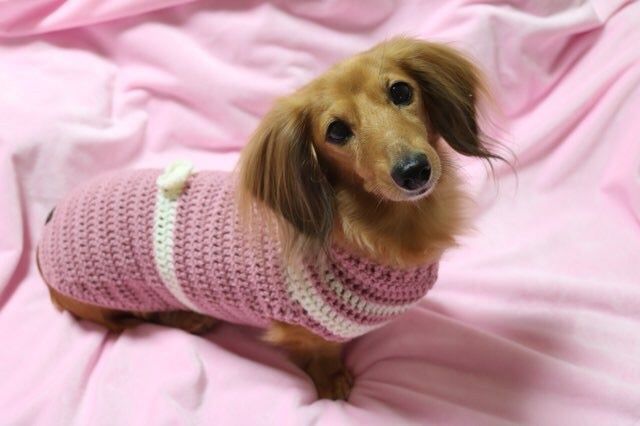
column 120, row 242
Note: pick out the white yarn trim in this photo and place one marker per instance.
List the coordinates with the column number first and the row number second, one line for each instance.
column 163, row 225
column 172, row 180
column 302, row 290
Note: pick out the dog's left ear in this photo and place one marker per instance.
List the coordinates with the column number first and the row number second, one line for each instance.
column 280, row 168
column 450, row 86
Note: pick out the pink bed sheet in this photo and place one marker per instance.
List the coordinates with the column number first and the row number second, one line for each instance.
column 535, row 318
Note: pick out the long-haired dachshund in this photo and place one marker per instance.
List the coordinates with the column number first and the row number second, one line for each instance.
column 343, row 202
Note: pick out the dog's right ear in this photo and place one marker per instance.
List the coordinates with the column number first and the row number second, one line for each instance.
column 280, row 168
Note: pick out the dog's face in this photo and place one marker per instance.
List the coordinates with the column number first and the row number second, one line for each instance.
column 371, row 123
column 370, row 127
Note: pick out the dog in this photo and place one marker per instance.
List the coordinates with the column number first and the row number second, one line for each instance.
column 342, row 204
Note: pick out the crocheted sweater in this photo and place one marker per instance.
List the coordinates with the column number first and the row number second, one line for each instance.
column 128, row 241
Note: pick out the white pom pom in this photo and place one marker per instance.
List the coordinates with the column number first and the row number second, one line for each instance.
column 174, row 178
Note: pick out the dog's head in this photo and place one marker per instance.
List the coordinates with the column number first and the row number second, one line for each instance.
column 371, row 123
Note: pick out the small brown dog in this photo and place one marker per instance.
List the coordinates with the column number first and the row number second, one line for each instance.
column 354, row 158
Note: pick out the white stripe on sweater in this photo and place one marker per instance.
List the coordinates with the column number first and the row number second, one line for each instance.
column 163, row 225
column 355, row 301
column 302, row 290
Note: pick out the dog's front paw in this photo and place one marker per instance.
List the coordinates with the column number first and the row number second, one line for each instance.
column 339, row 386
column 331, row 378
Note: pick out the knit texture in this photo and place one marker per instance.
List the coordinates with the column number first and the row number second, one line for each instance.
column 123, row 243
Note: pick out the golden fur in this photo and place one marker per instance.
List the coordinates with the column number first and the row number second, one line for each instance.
column 325, row 193
column 321, row 193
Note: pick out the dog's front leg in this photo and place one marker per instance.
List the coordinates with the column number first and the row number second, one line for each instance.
column 319, row 358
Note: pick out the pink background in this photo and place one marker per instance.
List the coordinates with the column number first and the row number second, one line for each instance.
column 535, row 318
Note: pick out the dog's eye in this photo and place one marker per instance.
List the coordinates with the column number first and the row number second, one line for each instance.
column 400, row 93
column 338, row 132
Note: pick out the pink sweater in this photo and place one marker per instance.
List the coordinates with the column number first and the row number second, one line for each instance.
column 122, row 242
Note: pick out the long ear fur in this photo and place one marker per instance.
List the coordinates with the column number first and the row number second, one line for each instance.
column 280, row 169
column 450, row 86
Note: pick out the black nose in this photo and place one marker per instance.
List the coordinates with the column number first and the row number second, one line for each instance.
column 412, row 172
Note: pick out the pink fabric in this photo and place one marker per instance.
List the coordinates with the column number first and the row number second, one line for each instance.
column 101, row 246
column 98, row 245
column 535, row 318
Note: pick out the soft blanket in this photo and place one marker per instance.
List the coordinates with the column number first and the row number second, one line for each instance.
column 535, row 318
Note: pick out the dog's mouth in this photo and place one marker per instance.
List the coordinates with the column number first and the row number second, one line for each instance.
column 398, row 194
column 419, row 193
